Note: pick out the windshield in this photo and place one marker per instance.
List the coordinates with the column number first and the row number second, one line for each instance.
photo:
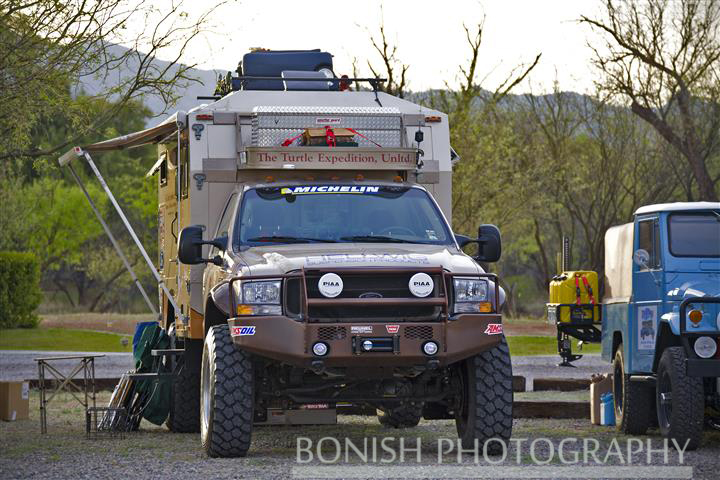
column 339, row 213
column 695, row 235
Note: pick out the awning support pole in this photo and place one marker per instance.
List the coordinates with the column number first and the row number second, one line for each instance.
column 114, row 242
column 130, row 230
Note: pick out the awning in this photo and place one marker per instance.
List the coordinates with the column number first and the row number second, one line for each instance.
column 136, row 139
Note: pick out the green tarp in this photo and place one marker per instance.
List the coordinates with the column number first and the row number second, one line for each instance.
column 159, row 390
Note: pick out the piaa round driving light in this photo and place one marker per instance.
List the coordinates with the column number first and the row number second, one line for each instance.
column 320, row 349
column 705, row 347
column 430, row 348
column 367, row 345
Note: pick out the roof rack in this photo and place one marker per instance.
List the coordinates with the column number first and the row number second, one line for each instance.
column 229, row 84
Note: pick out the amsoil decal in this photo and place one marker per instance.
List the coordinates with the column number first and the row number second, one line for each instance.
column 494, row 329
column 242, row 331
column 318, row 189
column 392, row 328
column 361, row 329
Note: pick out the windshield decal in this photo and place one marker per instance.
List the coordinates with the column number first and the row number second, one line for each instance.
column 308, row 190
column 411, row 258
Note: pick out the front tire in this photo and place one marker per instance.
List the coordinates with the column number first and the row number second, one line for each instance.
column 633, row 400
column 485, row 413
column 680, row 400
column 227, row 381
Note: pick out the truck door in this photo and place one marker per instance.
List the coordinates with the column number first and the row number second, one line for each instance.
column 646, row 304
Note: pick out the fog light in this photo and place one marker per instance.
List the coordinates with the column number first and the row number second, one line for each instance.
column 430, row 348
column 705, row 347
column 320, row 349
column 695, row 316
column 367, row 345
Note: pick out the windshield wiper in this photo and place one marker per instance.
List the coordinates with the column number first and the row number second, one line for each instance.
column 377, row 239
column 289, row 239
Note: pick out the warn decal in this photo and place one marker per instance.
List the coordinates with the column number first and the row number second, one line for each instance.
column 392, row 328
column 494, row 329
column 242, row 331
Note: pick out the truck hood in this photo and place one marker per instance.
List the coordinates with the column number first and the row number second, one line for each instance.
column 280, row 259
column 694, row 285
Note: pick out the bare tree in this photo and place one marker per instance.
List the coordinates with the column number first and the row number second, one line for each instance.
column 664, row 56
column 49, row 48
column 395, row 71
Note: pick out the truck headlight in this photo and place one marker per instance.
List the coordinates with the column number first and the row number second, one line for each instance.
column 260, row 298
column 471, row 295
column 705, row 347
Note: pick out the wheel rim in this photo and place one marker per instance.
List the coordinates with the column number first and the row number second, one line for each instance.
column 664, row 400
column 205, row 401
column 618, row 386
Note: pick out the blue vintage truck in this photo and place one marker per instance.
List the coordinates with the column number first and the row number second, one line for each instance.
column 659, row 321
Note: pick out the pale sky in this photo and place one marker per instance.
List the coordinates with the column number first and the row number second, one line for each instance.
column 429, row 36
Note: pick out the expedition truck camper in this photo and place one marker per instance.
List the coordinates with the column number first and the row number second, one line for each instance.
column 306, row 259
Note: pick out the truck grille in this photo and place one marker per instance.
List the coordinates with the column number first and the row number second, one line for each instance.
column 359, row 286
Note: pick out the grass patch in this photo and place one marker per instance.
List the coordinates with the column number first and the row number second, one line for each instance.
column 537, row 345
column 62, row 339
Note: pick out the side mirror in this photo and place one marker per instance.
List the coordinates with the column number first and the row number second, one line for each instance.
column 490, row 244
column 641, row 258
column 190, row 244
column 463, row 241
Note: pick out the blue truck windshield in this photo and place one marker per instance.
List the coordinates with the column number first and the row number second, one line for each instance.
column 695, row 235
column 339, row 213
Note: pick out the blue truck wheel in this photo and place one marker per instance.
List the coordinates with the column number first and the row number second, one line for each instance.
column 680, row 400
column 633, row 400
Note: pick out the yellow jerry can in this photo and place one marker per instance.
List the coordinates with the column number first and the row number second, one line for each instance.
column 574, row 297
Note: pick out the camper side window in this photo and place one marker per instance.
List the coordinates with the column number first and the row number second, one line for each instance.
column 649, row 240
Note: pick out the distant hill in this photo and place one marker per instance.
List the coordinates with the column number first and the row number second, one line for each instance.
column 204, row 86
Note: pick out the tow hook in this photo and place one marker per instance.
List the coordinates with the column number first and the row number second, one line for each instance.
column 317, row 366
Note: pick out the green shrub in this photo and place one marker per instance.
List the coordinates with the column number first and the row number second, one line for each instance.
column 20, row 292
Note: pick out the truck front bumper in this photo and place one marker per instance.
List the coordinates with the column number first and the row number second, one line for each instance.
column 696, row 366
column 397, row 345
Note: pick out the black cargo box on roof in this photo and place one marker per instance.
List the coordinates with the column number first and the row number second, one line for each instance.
column 273, row 63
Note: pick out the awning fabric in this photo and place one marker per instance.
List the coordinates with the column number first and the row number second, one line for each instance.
column 136, row 139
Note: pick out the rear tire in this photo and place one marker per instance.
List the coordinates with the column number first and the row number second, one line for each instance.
column 633, row 400
column 680, row 400
column 403, row 416
column 485, row 413
column 226, row 415
column 184, row 416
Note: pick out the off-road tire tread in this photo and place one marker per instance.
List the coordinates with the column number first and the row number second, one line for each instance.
column 638, row 405
column 231, row 415
column 405, row 416
column 184, row 414
column 492, row 371
column 688, row 400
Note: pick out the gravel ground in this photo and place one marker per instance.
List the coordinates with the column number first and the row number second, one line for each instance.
column 20, row 365
column 153, row 452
